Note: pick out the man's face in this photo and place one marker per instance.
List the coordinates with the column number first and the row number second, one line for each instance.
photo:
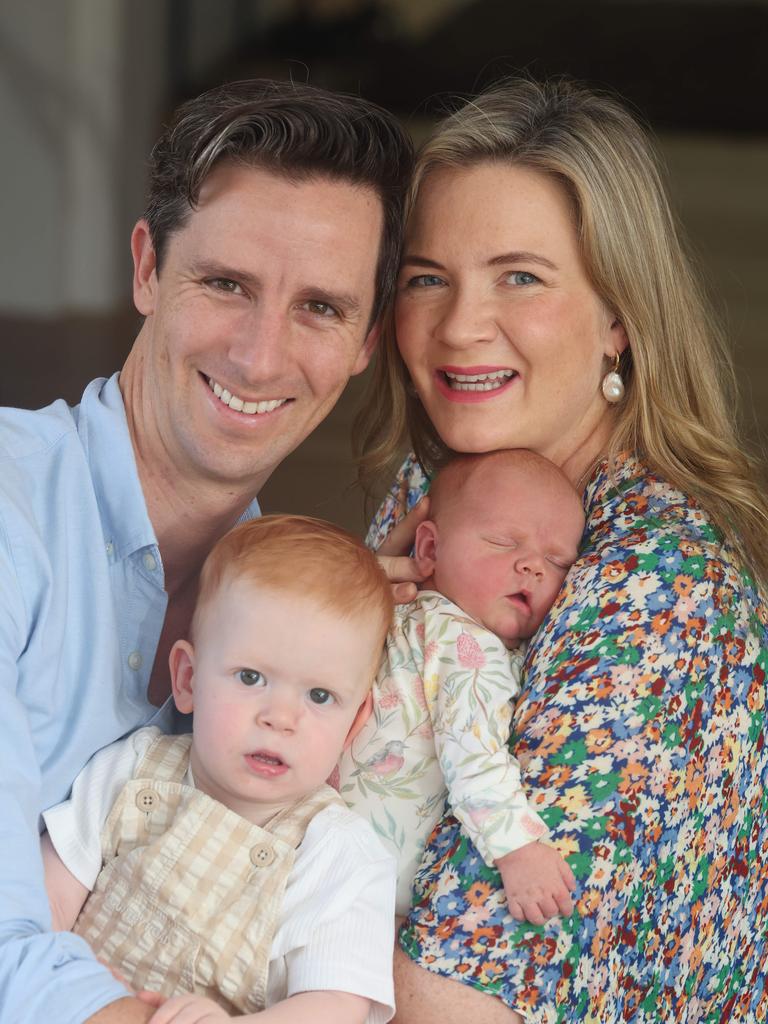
column 254, row 323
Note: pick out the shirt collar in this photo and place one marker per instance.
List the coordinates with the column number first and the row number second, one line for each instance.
column 104, row 434
column 103, row 429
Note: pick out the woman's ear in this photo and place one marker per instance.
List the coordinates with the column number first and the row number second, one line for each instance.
column 182, row 665
column 425, row 546
column 617, row 339
column 144, row 269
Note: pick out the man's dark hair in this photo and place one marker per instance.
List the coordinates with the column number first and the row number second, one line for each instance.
column 298, row 131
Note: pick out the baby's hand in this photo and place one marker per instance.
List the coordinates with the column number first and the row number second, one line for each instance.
column 537, row 882
column 189, row 1010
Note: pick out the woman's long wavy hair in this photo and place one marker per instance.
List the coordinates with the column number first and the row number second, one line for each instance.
column 678, row 410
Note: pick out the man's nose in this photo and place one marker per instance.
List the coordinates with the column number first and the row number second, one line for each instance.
column 466, row 319
column 260, row 342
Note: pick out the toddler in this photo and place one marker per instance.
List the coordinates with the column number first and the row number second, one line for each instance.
column 504, row 529
column 219, row 863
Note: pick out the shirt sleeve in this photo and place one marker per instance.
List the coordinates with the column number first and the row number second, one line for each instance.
column 43, row 975
column 75, row 825
column 345, row 925
column 470, row 678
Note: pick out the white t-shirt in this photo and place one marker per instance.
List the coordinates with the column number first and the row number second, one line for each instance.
column 336, row 926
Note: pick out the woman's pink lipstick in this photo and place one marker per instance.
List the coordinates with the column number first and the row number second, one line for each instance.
column 473, row 391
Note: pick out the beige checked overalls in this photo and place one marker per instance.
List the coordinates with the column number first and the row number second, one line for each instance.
column 189, row 896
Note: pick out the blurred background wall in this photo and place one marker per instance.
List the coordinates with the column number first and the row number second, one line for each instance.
column 86, row 84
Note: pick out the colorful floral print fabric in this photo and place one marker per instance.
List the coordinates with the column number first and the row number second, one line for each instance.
column 440, row 727
column 641, row 732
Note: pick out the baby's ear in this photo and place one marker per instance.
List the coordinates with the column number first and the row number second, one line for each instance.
column 182, row 665
column 364, row 712
column 425, row 546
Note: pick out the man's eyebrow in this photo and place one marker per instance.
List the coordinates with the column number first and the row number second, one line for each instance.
column 349, row 304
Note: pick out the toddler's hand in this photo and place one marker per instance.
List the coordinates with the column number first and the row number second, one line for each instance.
column 538, row 883
column 189, row 1010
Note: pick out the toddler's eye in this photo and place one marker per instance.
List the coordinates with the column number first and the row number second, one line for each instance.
column 251, row 677
column 321, row 697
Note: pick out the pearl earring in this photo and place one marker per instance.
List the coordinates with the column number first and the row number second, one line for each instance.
column 613, row 385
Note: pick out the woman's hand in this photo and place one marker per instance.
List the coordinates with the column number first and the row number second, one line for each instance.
column 393, row 554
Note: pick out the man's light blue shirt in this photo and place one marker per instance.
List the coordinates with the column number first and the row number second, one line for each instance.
column 82, row 603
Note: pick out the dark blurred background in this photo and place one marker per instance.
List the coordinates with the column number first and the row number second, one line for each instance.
column 86, row 84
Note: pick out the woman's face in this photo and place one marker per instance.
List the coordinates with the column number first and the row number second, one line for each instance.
column 503, row 335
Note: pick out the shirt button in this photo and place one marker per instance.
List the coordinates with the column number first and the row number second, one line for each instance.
column 150, row 562
column 134, row 661
column 262, row 855
column 110, row 548
column 147, row 800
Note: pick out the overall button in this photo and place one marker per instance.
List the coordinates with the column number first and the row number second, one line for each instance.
column 147, row 799
column 150, row 562
column 262, row 855
column 134, row 661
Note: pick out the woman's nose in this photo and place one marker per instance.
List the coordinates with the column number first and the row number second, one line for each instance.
column 466, row 319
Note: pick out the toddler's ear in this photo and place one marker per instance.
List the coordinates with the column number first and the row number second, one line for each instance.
column 425, row 546
column 182, row 665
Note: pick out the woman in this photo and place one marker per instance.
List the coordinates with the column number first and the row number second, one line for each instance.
column 545, row 302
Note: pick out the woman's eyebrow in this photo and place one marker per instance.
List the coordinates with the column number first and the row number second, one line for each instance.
column 421, row 261
column 521, row 257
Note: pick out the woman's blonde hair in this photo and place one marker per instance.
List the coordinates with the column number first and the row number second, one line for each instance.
column 678, row 410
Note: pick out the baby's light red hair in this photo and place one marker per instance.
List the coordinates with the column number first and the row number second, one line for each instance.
column 303, row 556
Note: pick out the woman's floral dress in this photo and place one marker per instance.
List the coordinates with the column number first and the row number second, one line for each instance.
column 641, row 732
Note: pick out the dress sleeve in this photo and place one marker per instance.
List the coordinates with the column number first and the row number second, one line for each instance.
column 470, row 679
column 410, row 486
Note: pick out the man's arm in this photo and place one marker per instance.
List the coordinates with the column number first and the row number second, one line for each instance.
column 43, row 975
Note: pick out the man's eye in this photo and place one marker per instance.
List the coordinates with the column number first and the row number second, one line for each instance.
column 522, row 277
column 322, row 309
column 321, row 697
column 251, row 677
column 224, row 284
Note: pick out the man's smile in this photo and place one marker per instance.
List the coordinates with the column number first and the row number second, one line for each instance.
column 242, row 405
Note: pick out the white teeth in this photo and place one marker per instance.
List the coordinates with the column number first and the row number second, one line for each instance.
column 478, row 381
column 239, row 404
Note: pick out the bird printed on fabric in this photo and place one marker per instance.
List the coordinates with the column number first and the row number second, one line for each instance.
column 385, row 763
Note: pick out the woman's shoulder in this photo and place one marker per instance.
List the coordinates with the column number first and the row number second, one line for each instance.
column 409, row 487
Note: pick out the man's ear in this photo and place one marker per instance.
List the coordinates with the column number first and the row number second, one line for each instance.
column 182, row 665
column 144, row 269
column 369, row 347
column 363, row 714
column 425, row 546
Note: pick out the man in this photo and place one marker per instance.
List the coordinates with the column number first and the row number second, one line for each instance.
column 266, row 257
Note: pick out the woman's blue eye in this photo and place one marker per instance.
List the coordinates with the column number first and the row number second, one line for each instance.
column 425, row 281
column 522, row 277
column 251, row 677
column 320, row 696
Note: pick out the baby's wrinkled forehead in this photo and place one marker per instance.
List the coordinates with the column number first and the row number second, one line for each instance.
column 470, row 483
